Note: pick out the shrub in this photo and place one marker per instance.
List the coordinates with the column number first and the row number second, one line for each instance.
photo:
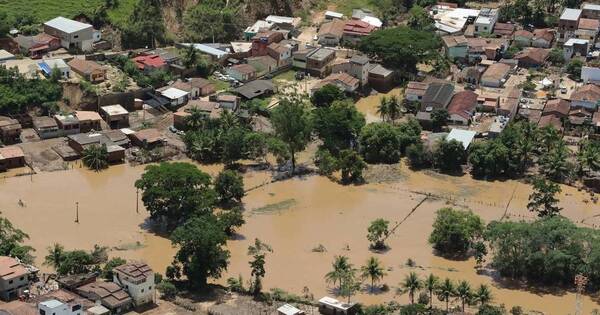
column 454, row 231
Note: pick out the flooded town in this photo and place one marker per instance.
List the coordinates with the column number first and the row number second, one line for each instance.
column 299, row 157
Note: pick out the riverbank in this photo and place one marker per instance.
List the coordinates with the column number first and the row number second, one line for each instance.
column 293, row 216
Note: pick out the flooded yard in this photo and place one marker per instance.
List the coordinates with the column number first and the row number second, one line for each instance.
column 294, row 217
column 368, row 105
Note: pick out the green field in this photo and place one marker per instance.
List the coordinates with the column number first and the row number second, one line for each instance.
column 45, row 10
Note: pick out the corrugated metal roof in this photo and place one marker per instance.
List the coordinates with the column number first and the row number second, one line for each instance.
column 570, row 14
column 463, row 136
column 67, row 25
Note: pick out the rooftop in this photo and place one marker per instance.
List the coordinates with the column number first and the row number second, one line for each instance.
column 463, row 136
column 335, row 27
column 136, row 271
column 11, row 268
column 496, row 72
column 112, row 295
column 244, row 68
column 11, row 152
column 150, row 135
column 67, row 25
column 321, row 54
column 173, row 93
column 84, row 115
column 113, row 110
column 208, row 50
column 85, row 66
column 255, row 88
column 570, row 14
column 589, row 24
column 591, row 6
column 335, row 303
column 576, row 41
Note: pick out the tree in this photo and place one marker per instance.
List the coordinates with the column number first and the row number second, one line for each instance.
column 400, row 48
column 419, row 19
column 11, row 242
column 454, row 231
column 431, row 284
column 588, row 156
column 175, row 191
column 95, row 157
column 338, row 125
column 4, row 24
column 229, row 186
column 382, row 108
column 490, row 159
column 491, row 310
column 145, row 26
column 339, row 267
column 231, row 219
column 574, row 68
column 232, row 145
column 255, row 144
column 107, row 271
column 380, row 143
column 189, row 57
column 439, row 118
column 373, row 270
column 445, row 291
column 351, row 165
column 394, row 108
column 327, row 163
column 556, row 57
column 378, row 231
column 55, row 257
column 291, row 122
column 326, row 95
column 554, row 162
column 19, row 93
column 411, row 284
column 257, row 264
column 483, row 295
column 543, row 198
column 76, row 262
column 167, row 289
column 418, row 156
column 213, row 20
column 201, row 255
column 349, row 284
column 464, row 293
column 449, row 156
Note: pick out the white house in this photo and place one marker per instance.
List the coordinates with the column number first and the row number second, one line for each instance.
column 48, row 65
column 484, row 24
column 72, row 34
column 176, row 96
column 55, row 307
column 138, row 280
column 590, row 75
column 575, row 47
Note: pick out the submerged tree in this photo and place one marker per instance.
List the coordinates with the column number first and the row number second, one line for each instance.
column 373, row 270
column 257, row 264
column 95, row 157
column 378, row 231
column 543, row 198
column 445, row 291
column 340, row 266
column 411, row 285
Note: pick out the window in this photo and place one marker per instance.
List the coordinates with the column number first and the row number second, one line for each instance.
column 142, row 290
column 10, row 282
column 150, row 288
column 21, row 278
column 76, row 308
column 76, row 36
column 42, row 312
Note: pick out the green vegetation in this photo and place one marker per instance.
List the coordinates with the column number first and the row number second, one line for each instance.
column 449, row 156
column 156, row 78
column 338, row 125
column 327, row 95
column 229, row 187
column 11, row 242
column 410, row 285
column 77, row 261
column 18, row 94
column 373, row 270
column 213, row 21
column 543, row 198
column 258, row 251
column 389, row 108
column 107, row 271
column 378, row 232
column 380, row 143
column 95, row 157
column 145, row 26
column 455, row 231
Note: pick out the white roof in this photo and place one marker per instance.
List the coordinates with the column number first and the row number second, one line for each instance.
column 287, row 309
column 58, row 63
column 173, row 93
column 546, row 82
column 127, row 131
column 372, row 20
column 280, row 19
column 570, row 14
column 114, row 110
column 463, row 136
column 239, row 47
column 334, row 14
column 98, row 309
column 5, row 55
column 335, row 303
column 67, row 25
column 51, row 303
column 453, row 20
column 574, row 41
column 207, row 50
column 591, row 6
column 483, row 20
column 258, row 25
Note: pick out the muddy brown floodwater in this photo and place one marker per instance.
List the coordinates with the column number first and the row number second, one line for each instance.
column 368, row 105
column 294, row 217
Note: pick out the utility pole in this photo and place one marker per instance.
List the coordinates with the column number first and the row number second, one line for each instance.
column 580, row 282
column 137, row 200
column 77, row 212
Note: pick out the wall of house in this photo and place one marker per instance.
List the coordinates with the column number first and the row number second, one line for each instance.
column 11, row 289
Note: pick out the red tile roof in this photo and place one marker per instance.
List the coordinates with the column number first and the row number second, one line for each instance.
column 463, row 104
column 356, row 27
column 154, row 61
column 544, row 33
column 589, row 24
column 558, row 105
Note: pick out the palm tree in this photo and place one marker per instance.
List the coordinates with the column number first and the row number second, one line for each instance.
column 374, row 270
column 95, row 157
column 431, row 284
column 56, row 255
column 588, row 157
column 554, row 162
column 228, row 120
column 196, row 119
column 383, row 109
column 445, row 291
column 341, row 265
column 393, row 108
column 464, row 293
column 411, row 284
column 483, row 295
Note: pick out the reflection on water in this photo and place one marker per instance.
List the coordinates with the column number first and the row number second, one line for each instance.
column 294, row 217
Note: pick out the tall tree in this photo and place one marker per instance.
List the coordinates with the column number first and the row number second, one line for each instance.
column 95, row 157
column 411, row 285
column 257, row 264
column 543, row 198
column 326, row 95
column 351, row 165
column 292, row 124
column 349, row 284
column 378, row 231
column 373, row 270
column 449, row 156
column 554, row 163
column 380, row 143
column 419, row 19
column 176, row 191
column 212, row 20
column 383, row 109
column 431, row 284
column 439, row 118
column 229, row 186
column 11, row 242
column 445, row 291
column 338, row 125
column 202, row 254
column 339, row 267
column 55, row 257
column 483, row 295
column 464, row 293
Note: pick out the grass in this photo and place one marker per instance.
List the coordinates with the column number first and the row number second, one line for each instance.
column 289, row 75
column 274, row 207
column 346, row 6
column 45, row 10
column 219, row 85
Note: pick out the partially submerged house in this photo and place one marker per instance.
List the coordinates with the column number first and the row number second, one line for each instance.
column 10, row 157
column 79, row 142
column 88, row 120
column 10, row 130
column 147, row 138
column 46, row 127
